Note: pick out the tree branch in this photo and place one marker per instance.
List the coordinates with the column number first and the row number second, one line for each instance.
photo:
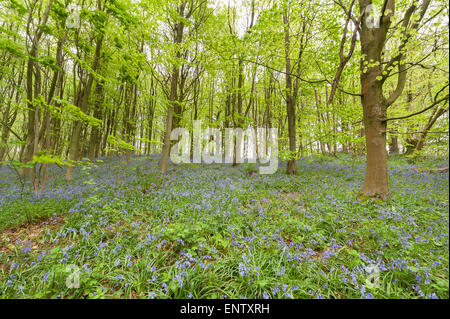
column 398, row 58
column 10, row 129
column 436, row 102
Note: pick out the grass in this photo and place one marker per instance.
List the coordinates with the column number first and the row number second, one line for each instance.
column 213, row 231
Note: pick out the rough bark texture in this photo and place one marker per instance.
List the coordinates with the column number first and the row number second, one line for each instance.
column 373, row 75
column 393, row 145
column 178, row 39
column 374, row 106
column 82, row 103
column 291, row 165
column 420, row 142
column 33, row 89
column 376, row 182
column 238, row 122
column 94, row 142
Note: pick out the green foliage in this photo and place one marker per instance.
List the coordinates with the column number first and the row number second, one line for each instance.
column 71, row 112
column 16, row 5
column 45, row 158
column 17, row 164
column 11, row 47
column 118, row 145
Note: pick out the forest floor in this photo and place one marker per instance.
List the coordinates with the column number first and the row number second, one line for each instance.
column 213, row 231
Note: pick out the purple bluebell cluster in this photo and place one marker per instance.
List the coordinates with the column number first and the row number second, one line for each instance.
column 212, row 231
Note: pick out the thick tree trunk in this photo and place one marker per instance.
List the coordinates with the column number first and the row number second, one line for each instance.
column 32, row 91
column 374, row 103
column 169, row 121
column 376, row 182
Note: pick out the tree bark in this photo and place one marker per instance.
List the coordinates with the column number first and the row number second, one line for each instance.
column 376, row 181
column 393, row 145
column 82, row 100
column 291, row 164
column 178, row 39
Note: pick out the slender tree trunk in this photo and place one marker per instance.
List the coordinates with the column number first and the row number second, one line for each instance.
column 291, row 164
column 238, row 122
column 74, row 149
column 178, row 39
column 321, row 144
column 393, row 145
column 95, row 133
column 432, row 120
column 33, row 89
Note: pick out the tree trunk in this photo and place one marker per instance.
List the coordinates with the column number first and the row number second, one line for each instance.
column 291, row 164
column 178, row 39
column 376, row 182
column 83, row 100
column 95, row 133
column 393, row 145
column 432, row 120
column 240, row 87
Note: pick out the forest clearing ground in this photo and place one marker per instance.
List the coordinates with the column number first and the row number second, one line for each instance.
column 28, row 235
column 211, row 231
